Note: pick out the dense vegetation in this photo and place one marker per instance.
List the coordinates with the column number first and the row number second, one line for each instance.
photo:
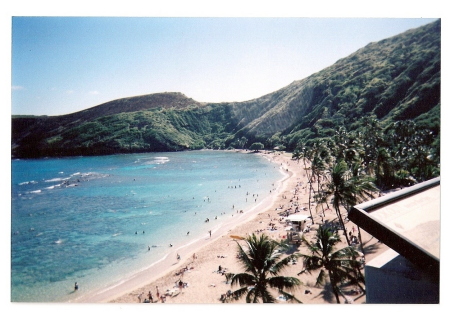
column 385, row 97
column 141, row 131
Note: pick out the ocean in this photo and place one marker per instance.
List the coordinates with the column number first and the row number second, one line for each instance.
column 99, row 220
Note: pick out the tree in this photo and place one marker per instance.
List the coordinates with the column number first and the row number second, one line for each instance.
column 340, row 266
column 262, row 264
column 347, row 190
column 304, row 153
column 242, row 142
column 257, row 146
column 319, row 158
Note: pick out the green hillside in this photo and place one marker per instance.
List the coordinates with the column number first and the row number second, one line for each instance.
column 396, row 79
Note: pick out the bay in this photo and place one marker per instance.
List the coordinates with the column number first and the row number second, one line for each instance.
column 99, row 220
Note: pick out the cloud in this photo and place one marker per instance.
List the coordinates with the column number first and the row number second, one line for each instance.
column 17, row 87
column 94, row 92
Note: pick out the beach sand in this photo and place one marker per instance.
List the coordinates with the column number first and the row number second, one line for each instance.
column 204, row 284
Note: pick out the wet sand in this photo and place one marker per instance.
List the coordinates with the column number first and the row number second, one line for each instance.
column 204, row 284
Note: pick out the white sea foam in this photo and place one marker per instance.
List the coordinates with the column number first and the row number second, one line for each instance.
column 165, row 219
column 161, row 160
column 57, row 179
column 28, row 182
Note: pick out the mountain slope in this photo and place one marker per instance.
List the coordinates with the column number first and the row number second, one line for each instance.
column 395, row 79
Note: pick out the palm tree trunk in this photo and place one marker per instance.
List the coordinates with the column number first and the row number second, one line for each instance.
column 309, row 201
column 341, row 221
column 320, row 193
column 334, row 286
column 310, row 187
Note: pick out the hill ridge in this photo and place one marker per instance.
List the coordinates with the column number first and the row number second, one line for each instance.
column 397, row 78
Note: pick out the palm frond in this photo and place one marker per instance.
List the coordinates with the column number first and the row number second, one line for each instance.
column 311, row 262
column 289, row 297
column 267, row 297
column 320, row 280
column 279, row 266
column 242, row 279
column 281, row 282
column 262, row 262
column 251, row 296
column 246, row 261
column 239, row 293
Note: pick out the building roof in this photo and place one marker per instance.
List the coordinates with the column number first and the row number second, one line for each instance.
column 408, row 221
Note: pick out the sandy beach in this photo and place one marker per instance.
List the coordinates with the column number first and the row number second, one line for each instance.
column 205, row 284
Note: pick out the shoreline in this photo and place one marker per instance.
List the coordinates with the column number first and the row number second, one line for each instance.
column 204, row 284
column 169, row 263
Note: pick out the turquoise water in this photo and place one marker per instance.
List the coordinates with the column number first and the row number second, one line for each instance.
column 92, row 219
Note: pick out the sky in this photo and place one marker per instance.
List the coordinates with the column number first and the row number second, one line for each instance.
column 66, row 64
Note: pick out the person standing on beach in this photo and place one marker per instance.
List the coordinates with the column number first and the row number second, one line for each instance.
column 210, row 233
column 76, row 286
column 157, row 292
column 150, row 296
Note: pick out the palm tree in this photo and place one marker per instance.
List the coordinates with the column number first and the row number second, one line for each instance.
column 318, row 165
column 340, row 266
column 305, row 153
column 262, row 263
column 347, row 190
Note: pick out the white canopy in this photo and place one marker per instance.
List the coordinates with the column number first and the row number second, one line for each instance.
column 297, row 217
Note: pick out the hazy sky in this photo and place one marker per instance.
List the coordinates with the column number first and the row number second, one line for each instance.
column 65, row 64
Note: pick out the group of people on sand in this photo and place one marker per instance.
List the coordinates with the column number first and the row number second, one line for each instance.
column 179, row 284
column 149, row 299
